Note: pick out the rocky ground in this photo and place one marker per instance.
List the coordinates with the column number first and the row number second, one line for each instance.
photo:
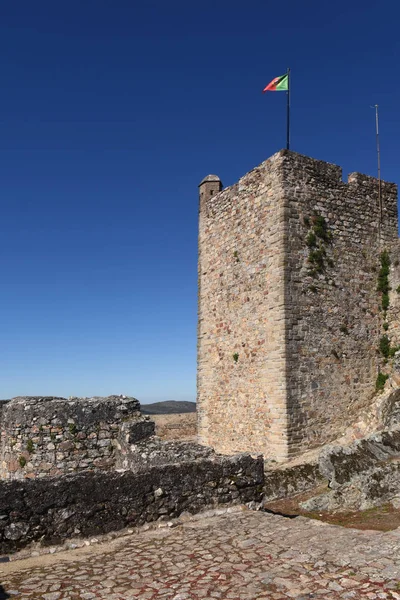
column 237, row 555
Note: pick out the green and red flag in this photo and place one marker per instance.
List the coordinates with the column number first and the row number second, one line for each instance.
column 279, row 84
column 282, row 84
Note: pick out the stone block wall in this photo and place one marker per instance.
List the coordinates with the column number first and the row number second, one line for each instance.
column 333, row 310
column 393, row 312
column 289, row 313
column 54, row 436
column 241, row 333
column 85, row 504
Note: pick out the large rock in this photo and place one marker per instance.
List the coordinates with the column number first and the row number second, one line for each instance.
column 361, row 476
column 391, row 410
column 340, row 464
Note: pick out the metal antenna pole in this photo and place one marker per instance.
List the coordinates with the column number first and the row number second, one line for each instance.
column 378, row 151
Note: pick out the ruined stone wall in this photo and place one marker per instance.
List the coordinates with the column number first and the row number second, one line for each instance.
column 288, row 273
column 241, row 351
column 90, row 503
column 53, row 436
column 332, row 306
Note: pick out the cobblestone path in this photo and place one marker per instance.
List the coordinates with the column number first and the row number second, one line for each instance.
column 237, row 556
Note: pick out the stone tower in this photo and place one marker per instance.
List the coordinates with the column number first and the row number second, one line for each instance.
column 209, row 186
column 289, row 313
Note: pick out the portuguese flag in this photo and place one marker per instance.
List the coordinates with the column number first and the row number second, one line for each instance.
column 282, row 84
column 279, row 84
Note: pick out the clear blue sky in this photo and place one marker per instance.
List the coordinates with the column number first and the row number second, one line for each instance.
column 111, row 114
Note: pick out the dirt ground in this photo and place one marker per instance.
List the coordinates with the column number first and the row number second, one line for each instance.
column 181, row 426
column 381, row 518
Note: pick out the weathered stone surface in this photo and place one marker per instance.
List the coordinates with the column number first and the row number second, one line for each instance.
column 287, row 340
column 57, row 435
column 369, row 489
column 361, row 476
column 340, row 464
column 286, row 482
column 391, row 410
column 86, row 504
column 140, row 430
column 155, row 452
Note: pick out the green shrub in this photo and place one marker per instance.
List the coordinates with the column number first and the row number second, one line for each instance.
column 385, row 301
column 321, row 228
column 30, row 446
column 380, row 381
column 311, row 240
column 22, row 461
column 384, row 346
column 316, row 258
column 236, row 357
column 383, row 276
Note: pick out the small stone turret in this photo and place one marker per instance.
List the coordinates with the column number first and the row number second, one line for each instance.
column 208, row 187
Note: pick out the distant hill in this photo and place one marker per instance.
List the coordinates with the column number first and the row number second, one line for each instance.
column 169, row 407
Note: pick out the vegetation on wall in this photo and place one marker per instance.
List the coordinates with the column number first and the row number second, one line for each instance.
column 383, row 280
column 316, row 240
column 380, row 381
column 385, row 347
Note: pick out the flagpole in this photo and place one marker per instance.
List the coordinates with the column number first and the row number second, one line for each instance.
column 288, row 112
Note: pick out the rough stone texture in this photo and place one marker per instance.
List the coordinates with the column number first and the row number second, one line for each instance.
column 361, row 476
column 85, row 504
column 341, row 464
column 287, row 358
column 244, row 555
column 52, row 436
column 393, row 313
column 367, row 489
column 155, row 452
column 242, row 404
column 390, row 413
column 283, row 483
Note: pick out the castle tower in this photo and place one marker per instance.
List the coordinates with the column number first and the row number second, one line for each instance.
column 209, row 186
column 289, row 314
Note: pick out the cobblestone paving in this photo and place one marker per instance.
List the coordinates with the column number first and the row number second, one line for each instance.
column 236, row 556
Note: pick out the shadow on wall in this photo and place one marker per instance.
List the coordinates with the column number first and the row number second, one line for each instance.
column 3, row 593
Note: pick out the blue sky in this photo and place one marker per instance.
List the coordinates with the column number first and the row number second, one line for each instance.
column 111, row 114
